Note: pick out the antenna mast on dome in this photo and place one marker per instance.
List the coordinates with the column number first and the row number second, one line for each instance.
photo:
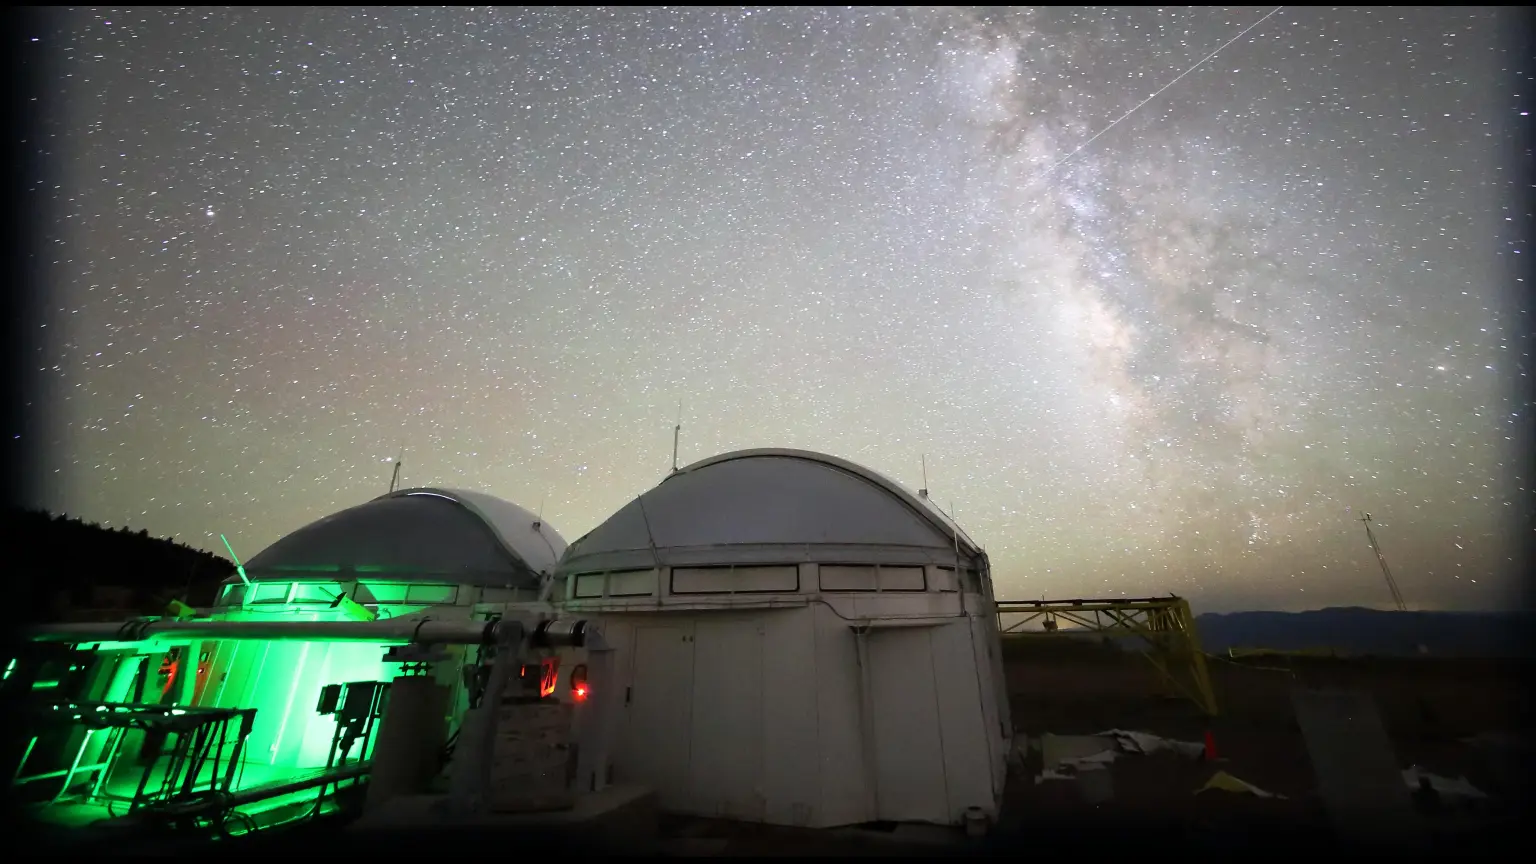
column 394, row 480
column 677, row 432
column 923, row 492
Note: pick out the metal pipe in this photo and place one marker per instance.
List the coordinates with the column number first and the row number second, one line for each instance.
column 399, row 630
column 334, row 775
column 252, row 795
column 419, row 631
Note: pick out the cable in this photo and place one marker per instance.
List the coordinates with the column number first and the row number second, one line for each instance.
column 551, row 546
column 250, row 823
column 1230, row 661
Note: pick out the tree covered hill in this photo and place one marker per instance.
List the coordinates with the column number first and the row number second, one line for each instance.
column 67, row 567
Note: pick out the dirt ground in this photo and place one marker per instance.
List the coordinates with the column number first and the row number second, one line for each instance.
column 1429, row 707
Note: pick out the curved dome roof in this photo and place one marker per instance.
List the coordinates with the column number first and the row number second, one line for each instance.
column 448, row 534
column 771, row 506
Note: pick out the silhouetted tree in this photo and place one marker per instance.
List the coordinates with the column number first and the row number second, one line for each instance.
column 64, row 562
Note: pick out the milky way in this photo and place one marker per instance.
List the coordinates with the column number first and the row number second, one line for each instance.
column 1182, row 358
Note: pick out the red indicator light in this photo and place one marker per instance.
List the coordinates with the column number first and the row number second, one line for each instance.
column 550, row 667
column 169, row 671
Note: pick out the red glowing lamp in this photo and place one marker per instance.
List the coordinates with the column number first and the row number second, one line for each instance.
column 549, row 669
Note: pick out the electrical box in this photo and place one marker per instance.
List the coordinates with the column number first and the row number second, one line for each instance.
column 361, row 699
column 330, row 698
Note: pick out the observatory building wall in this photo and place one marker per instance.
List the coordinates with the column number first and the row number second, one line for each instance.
column 834, row 667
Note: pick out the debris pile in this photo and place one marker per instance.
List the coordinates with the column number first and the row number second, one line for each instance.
column 1082, row 758
column 1445, row 789
column 1065, row 757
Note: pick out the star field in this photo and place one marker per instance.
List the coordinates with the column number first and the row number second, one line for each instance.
column 1182, row 358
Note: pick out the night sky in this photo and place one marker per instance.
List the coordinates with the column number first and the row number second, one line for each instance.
column 1181, row 356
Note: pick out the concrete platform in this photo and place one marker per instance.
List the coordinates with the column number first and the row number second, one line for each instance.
column 617, row 820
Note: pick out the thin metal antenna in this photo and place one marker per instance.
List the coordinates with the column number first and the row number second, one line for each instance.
column 1397, row 596
column 394, row 480
column 546, row 579
column 923, row 492
column 239, row 568
column 650, row 537
column 960, row 568
column 677, row 431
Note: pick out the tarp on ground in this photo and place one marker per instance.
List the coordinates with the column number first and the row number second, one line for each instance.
column 1146, row 743
column 1224, row 782
column 1457, row 789
column 1065, row 756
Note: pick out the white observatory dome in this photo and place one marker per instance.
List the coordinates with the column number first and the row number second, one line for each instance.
column 468, row 538
column 773, row 505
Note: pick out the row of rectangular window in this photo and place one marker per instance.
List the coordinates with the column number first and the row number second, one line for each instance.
column 313, row 593
column 755, row 579
column 758, row 579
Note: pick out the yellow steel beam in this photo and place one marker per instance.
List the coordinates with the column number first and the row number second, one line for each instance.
column 1165, row 624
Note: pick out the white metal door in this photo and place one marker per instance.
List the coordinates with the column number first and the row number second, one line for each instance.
column 909, row 750
column 659, row 700
column 726, row 761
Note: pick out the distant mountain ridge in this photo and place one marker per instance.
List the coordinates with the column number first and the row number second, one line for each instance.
column 1372, row 632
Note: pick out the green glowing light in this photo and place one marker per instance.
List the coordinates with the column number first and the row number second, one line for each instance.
column 293, row 691
column 282, row 680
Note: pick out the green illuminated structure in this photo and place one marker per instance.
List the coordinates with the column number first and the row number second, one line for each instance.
column 409, row 554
